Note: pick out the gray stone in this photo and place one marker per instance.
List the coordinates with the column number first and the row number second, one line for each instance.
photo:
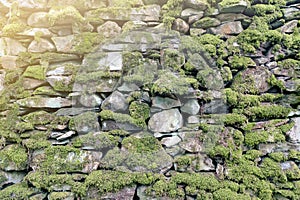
column 165, row 102
column 146, row 13
column 203, row 163
column 288, row 27
column 32, row 4
column 38, row 20
column 191, row 107
column 30, row 83
column 291, row 13
column 188, row 12
column 63, row 68
column 197, row 4
column 216, row 106
column 193, row 120
column 72, row 111
column 115, row 102
column 294, row 133
column 41, row 46
column 66, row 135
column 206, row 22
column 158, row 2
column 292, row 85
column 191, row 142
column 60, row 83
column 2, row 79
column 11, row 177
column 86, row 122
column 238, row 7
column 90, row 100
column 9, row 62
column 231, row 17
column 210, row 79
column 266, row 148
column 44, row 102
column 64, row 44
column 170, row 141
column 197, row 31
column 128, row 87
column 229, row 28
column 11, row 47
column 126, row 193
column 34, row 31
column 180, row 26
column 166, row 121
column 109, row 29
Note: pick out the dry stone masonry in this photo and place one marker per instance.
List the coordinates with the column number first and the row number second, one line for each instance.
column 150, row 99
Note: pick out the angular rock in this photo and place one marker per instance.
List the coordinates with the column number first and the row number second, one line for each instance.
column 191, row 107
column 292, row 85
column 288, row 27
column 115, row 102
column 44, row 102
column 61, row 83
column 196, row 4
column 9, row 62
column 231, row 17
column 90, row 100
column 217, row 106
column 228, row 7
column 193, row 120
column 109, row 29
column 66, row 135
column 294, row 133
column 165, row 102
column 166, row 121
column 188, row 12
column 41, row 46
column 128, row 87
column 126, row 193
column 72, row 111
column 35, row 31
column 170, row 141
column 86, row 122
column 291, row 13
column 11, row 47
column 206, row 22
column 38, row 20
column 229, row 28
column 30, row 83
column 191, row 142
column 32, row 4
column 11, row 177
column 180, row 26
column 146, row 13
column 64, row 44
column 2, row 79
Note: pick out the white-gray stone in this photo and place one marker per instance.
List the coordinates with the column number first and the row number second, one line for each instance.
column 38, row 20
column 191, row 107
column 115, row 102
column 294, row 133
column 166, row 121
column 238, row 7
column 109, row 29
column 11, row 47
column 170, row 141
column 90, row 100
column 44, row 102
column 229, row 28
column 165, row 102
column 41, row 46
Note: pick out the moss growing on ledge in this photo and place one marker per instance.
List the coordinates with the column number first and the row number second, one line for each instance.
column 59, row 15
column 36, row 72
column 86, row 42
column 241, row 62
column 17, row 191
column 267, row 112
column 121, row 118
column 13, row 156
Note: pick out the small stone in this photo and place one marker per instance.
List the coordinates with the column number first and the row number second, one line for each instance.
column 128, row 87
column 44, row 102
column 188, row 12
column 180, row 26
column 199, row 5
column 231, row 17
column 191, row 142
column 216, row 106
column 66, row 135
column 206, row 22
column 197, row 31
column 32, row 4
column 109, row 29
column 170, row 141
column 166, row 121
column 115, row 102
column 229, row 28
column 165, row 102
column 60, row 83
column 193, row 120
column 238, row 7
column 90, row 100
column 34, row 31
column 30, row 83
column 41, row 46
column 64, row 44
column 126, row 193
column 9, row 62
column 191, row 107
column 11, row 47
column 38, row 20
column 294, row 133
column 289, row 27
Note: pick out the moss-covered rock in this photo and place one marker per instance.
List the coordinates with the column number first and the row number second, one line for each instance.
column 13, row 157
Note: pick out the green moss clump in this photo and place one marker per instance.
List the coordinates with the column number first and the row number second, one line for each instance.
column 172, row 59
column 58, row 15
column 273, row 81
column 139, row 110
column 13, row 156
column 250, row 39
column 36, row 72
column 38, row 118
column 277, row 156
column 97, row 140
column 234, row 119
column 12, row 29
column 141, row 145
column 170, row 11
column 227, row 194
column 273, row 171
column 17, row 191
column 131, row 60
column 252, row 154
column 240, row 62
column 121, row 118
column 96, row 76
column 244, row 84
column 267, row 112
column 85, row 42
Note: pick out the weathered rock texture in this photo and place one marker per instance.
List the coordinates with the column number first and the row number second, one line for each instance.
column 148, row 99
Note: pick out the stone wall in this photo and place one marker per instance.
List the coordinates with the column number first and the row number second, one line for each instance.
column 149, row 99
